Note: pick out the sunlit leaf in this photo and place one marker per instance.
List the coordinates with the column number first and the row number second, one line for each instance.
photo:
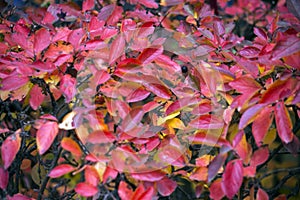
column 70, row 145
column 46, row 135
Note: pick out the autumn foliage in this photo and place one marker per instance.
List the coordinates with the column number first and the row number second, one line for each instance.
column 144, row 99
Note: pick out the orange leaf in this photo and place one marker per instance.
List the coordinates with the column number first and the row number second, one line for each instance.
column 70, row 145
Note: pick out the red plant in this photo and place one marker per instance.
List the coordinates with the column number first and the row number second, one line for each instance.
column 145, row 100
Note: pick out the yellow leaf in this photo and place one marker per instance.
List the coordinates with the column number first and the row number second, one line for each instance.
column 176, row 123
column 162, row 120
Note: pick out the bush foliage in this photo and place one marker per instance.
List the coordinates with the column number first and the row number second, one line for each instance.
column 144, row 99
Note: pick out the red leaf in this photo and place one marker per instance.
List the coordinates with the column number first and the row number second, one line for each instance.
column 88, row 5
column 171, row 155
column 149, row 3
column 232, row 178
column 70, row 145
column 250, row 114
column 166, row 186
column 124, row 191
column 133, row 118
column 13, row 82
column 152, row 176
column 280, row 89
column 41, row 40
column 91, row 175
column 262, row 195
column 259, row 156
column 76, row 37
column 150, row 54
column 85, row 189
column 261, row 34
column 137, row 95
column 3, row 178
column 46, row 135
column 36, row 97
column 141, row 194
column 10, row 148
column 283, row 122
column 109, row 174
column 117, row 49
column 261, row 125
column 158, row 89
column 215, row 190
column 68, row 87
column 61, row 170
column 286, row 47
column 245, row 85
column 207, row 122
column 249, row 52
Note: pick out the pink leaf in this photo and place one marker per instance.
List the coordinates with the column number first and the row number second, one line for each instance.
column 215, row 190
column 166, row 186
column 232, row 178
column 133, row 119
column 137, row 95
column 286, row 47
column 46, row 135
column 88, row 5
column 117, row 49
column 61, row 170
column 68, row 87
column 19, row 197
column 158, row 89
column 262, row 195
column 207, row 122
column 91, row 175
column 149, row 3
column 76, row 36
column 261, row 125
column 13, row 82
column 250, row 114
column 41, row 40
column 3, row 178
column 10, row 148
column 36, row 97
column 85, row 189
column 152, row 176
column 249, row 52
column 150, row 54
column 124, row 191
column 259, row 156
column 109, row 174
column 283, row 122
column 245, row 85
